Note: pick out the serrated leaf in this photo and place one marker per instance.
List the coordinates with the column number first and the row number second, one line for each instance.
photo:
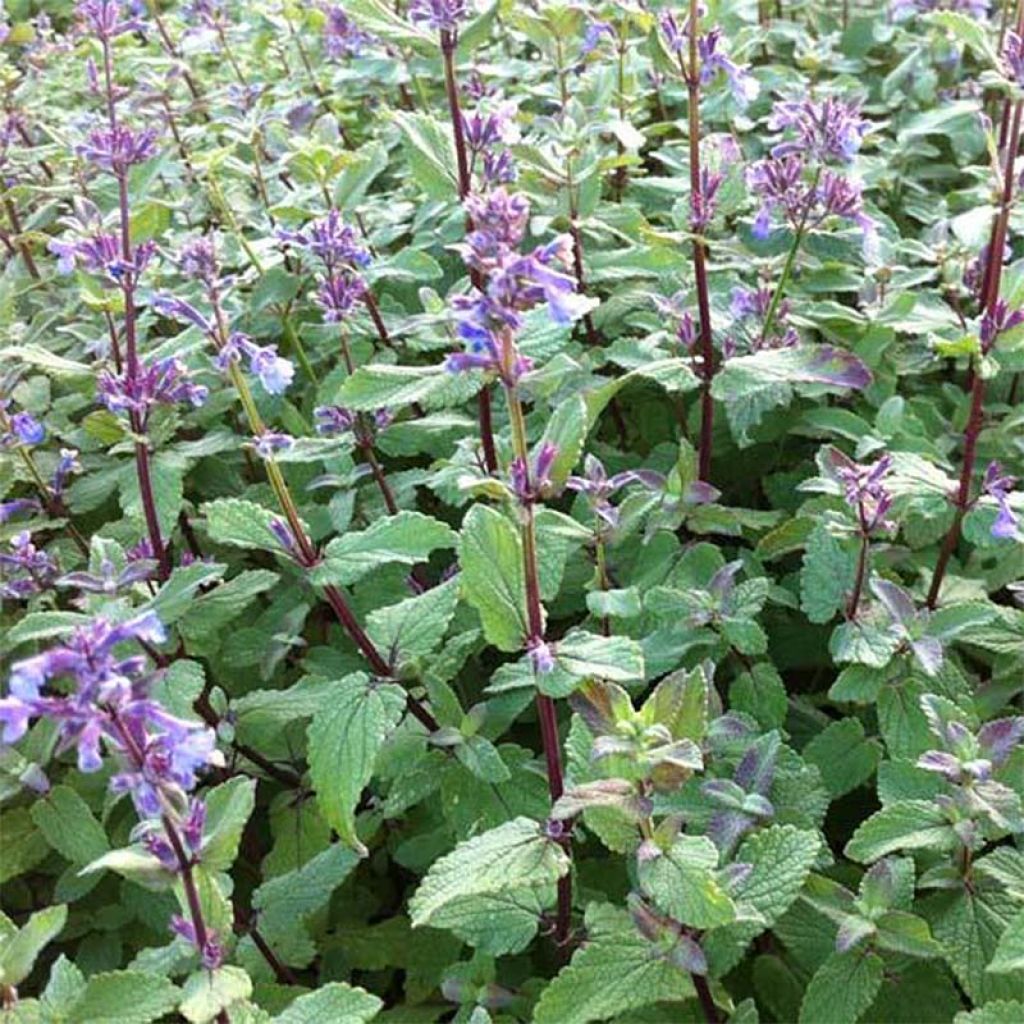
column 904, row 825
column 682, row 882
column 242, row 524
column 415, row 626
column 18, row 952
column 228, row 807
column 69, row 825
column 206, row 993
column 406, row 538
column 842, row 988
column 333, row 1003
column 124, row 997
column 1009, row 955
column 512, row 856
column 829, row 567
column 615, row 971
column 493, row 582
column 382, row 385
column 844, row 757
column 345, row 737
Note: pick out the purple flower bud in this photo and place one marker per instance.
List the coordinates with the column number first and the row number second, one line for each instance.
column 269, row 443
column 117, row 148
column 823, row 130
column 998, row 486
column 440, row 15
column 10, row 509
column 331, row 240
column 542, row 660
column 178, row 309
column 333, row 419
column 342, row 36
column 27, row 428
column 105, row 19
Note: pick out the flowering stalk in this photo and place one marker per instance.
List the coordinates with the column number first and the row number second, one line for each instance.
column 449, row 42
column 691, row 75
column 975, row 416
column 100, row 18
column 546, row 713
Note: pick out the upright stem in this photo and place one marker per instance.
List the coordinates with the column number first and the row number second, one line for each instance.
column 975, row 417
column 449, row 42
column 546, row 712
column 161, row 552
column 700, row 272
column 26, row 252
column 862, row 566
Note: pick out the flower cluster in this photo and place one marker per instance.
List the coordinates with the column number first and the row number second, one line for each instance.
column 751, row 306
column 599, row 488
column 27, row 570
column 998, row 485
column 513, row 283
column 440, row 15
column 102, row 701
column 91, row 247
column 822, row 130
column 864, row 490
column 163, row 382
column 487, row 135
column 342, row 36
column 712, row 60
column 105, row 19
column 116, row 148
column 335, row 244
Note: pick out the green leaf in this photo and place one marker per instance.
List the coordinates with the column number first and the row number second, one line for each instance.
column 829, row 567
column 1000, row 1011
column 333, row 1003
column 616, row 659
column 682, row 882
column 18, row 952
column 842, row 988
column 406, row 538
column 844, row 757
column 967, row 30
column 566, row 429
column 345, row 737
column 616, row 970
column 69, row 825
column 904, row 825
column 491, row 558
column 1009, row 955
column 206, row 993
column 381, row 385
column 781, row 857
column 751, row 385
column 497, row 924
column 381, row 20
column 513, row 856
column 228, row 807
column 415, row 626
column 124, row 997
column 430, row 153
column 242, row 524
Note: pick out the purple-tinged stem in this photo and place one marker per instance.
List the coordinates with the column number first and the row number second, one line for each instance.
column 975, row 418
column 707, row 415
column 161, row 552
column 449, row 42
column 546, row 712
column 862, row 565
column 23, row 248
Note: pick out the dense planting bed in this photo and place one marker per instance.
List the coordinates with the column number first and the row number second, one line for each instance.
column 509, row 512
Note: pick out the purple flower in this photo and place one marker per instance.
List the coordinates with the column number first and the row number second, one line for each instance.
column 513, row 283
column 275, row 373
column 333, row 419
column 269, row 443
column 864, row 489
column 1013, row 56
column 198, row 260
column 822, row 130
column 166, row 382
column 440, row 15
column 331, row 240
column 998, row 486
column 339, row 294
column 342, row 36
column 106, row 20
column 285, row 537
column 677, row 34
column 178, row 309
column 598, row 487
column 593, row 34
column 527, row 486
column 116, row 148
column 211, row 954
column 66, row 465
column 27, row 429
column 27, row 570
column 744, row 87
column 541, row 658
column 997, row 321
column 10, row 509
column 702, row 203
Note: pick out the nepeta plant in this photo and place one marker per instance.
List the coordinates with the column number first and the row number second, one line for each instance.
column 512, row 512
